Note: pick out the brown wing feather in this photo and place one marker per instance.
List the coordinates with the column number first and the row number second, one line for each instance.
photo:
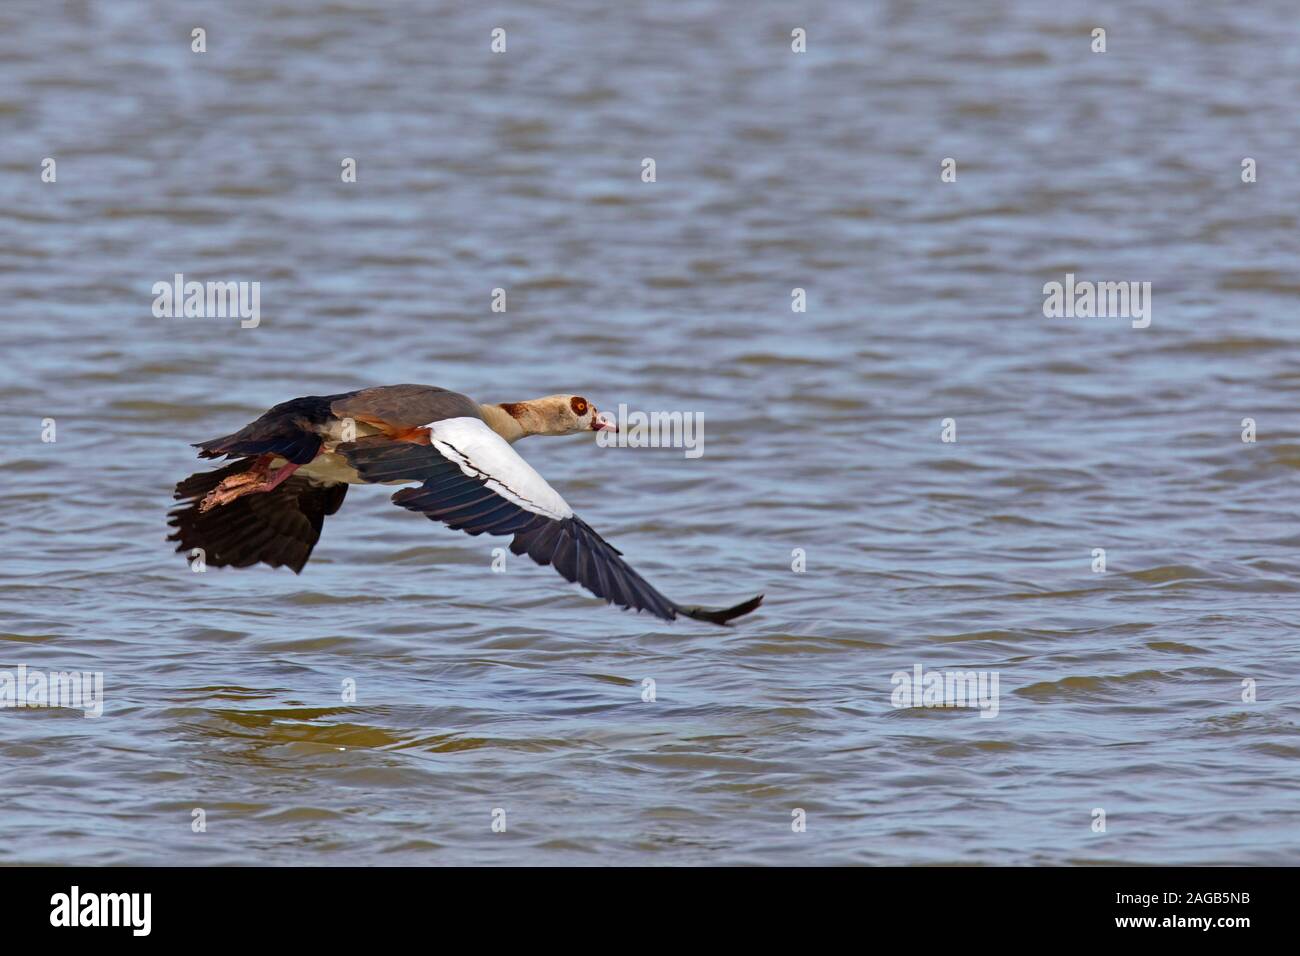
column 404, row 406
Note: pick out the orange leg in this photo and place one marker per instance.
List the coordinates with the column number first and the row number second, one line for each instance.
column 281, row 473
column 257, row 479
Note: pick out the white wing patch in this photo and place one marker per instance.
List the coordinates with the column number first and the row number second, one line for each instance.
column 482, row 453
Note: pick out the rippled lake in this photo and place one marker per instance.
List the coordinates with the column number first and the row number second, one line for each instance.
column 1096, row 534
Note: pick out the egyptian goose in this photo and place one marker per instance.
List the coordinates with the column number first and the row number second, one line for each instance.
column 293, row 466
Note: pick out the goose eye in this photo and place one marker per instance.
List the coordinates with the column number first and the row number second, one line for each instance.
column 579, row 406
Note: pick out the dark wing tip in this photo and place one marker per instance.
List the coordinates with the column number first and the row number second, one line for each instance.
column 721, row 615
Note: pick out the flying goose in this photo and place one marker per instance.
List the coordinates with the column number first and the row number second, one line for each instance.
column 292, row 467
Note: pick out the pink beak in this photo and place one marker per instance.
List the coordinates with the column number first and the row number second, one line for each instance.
column 600, row 422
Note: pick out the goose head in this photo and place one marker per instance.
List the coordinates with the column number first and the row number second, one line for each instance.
column 548, row 415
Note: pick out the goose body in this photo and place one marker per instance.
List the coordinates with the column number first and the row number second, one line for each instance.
column 291, row 468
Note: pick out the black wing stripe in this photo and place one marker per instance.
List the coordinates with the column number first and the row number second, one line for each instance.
column 636, row 591
column 585, row 566
column 410, row 463
column 453, row 479
column 611, row 582
column 603, row 578
column 564, row 559
column 539, row 543
column 476, row 503
column 509, row 524
column 480, row 520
